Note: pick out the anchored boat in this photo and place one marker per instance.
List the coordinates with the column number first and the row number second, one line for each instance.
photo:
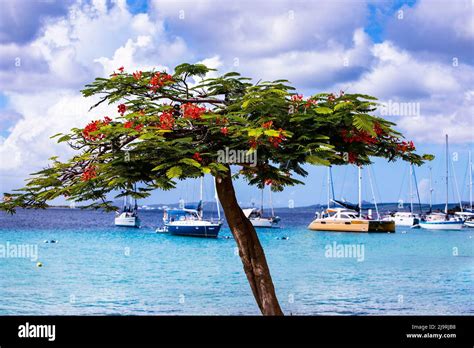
column 128, row 216
column 443, row 221
column 349, row 218
column 257, row 217
column 190, row 221
column 258, row 220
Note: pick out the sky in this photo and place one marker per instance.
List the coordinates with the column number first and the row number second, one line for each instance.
column 407, row 53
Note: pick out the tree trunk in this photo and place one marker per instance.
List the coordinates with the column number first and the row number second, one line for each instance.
column 250, row 249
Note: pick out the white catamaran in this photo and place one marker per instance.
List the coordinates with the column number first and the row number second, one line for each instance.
column 349, row 218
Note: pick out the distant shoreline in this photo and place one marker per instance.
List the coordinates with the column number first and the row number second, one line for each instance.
column 367, row 205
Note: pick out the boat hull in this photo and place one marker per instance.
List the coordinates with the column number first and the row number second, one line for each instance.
column 406, row 221
column 127, row 221
column 206, row 231
column 263, row 223
column 352, row 226
column 441, row 225
column 469, row 223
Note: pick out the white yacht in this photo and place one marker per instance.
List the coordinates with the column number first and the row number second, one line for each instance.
column 127, row 219
column 256, row 218
column 347, row 220
column 443, row 221
column 128, row 216
column 402, row 218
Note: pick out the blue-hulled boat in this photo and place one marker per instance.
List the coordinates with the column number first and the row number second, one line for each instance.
column 189, row 221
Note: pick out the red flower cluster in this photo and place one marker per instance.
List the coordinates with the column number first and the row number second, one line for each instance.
column 137, row 75
column 166, row 120
column 267, row 125
column 224, row 130
column 352, row 158
column 297, row 98
column 331, row 97
column 310, row 102
column 268, row 182
column 121, row 69
column 131, row 124
column 253, row 143
column 193, row 111
column 94, row 126
column 378, row 129
column 89, row 173
column 158, row 80
column 406, row 146
column 197, row 157
column 358, row 136
column 122, row 108
column 275, row 141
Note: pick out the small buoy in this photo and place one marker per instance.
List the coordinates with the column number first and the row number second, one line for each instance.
column 39, row 264
column 282, row 238
column 54, row 241
column 46, row 241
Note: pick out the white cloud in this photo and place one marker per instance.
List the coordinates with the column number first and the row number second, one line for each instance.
column 252, row 28
column 28, row 146
column 437, row 28
column 316, row 68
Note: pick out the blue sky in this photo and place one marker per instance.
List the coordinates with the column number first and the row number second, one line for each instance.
column 403, row 52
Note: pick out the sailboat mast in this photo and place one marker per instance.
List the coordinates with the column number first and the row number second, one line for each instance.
column 271, row 202
column 217, row 201
column 332, row 183
column 411, row 188
column 431, row 190
column 136, row 204
column 360, row 190
column 329, row 187
column 470, row 180
column 447, row 176
column 417, row 191
column 201, row 195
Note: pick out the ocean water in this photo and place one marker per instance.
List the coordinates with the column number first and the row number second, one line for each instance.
column 99, row 269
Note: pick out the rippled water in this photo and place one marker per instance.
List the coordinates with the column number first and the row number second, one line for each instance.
column 97, row 268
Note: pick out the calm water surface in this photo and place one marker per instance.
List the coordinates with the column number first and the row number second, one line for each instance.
column 97, row 268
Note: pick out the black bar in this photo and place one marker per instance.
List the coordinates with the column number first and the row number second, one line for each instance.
column 224, row 331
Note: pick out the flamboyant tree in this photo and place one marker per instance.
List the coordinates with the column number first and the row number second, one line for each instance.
column 171, row 127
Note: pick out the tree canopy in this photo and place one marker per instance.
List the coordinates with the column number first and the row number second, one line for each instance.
column 171, row 127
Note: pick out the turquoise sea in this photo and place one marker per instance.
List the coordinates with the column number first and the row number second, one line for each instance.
column 98, row 269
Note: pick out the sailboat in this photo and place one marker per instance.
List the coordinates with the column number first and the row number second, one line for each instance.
column 128, row 216
column 349, row 218
column 257, row 218
column 443, row 221
column 189, row 221
column 407, row 218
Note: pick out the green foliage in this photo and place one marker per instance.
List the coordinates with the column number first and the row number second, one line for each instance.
column 157, row 140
